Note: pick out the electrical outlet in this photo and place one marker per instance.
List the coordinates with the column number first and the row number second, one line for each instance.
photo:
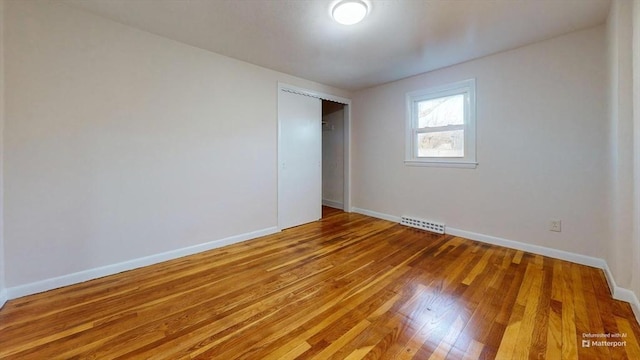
column 555, row 225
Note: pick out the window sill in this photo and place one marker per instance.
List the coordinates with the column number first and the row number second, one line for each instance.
column 446, row 164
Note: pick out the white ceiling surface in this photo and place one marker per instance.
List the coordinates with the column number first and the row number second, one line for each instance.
column 399, row 38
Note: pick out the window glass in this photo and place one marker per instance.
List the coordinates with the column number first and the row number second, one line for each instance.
column 441, row 144
column 442, row 111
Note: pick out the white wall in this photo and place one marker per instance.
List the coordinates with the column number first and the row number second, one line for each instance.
column 623, row 247
column 120, row 144
column 542, row 142
column 333, row 159
column 3, row 294
column 619, row 40
column 635, row 286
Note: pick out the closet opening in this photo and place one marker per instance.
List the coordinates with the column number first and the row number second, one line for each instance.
column 333, row 157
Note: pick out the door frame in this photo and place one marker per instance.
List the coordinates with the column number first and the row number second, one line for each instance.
column 346, row 136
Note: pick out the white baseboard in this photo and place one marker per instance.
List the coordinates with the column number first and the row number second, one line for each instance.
column 618, row 293
column 534, row 249
column 629, row 296
column 376, row 214
column 3, row 297
column 81, row 276
column 333, row 204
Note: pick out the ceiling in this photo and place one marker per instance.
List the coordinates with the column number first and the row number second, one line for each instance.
column 399, row 38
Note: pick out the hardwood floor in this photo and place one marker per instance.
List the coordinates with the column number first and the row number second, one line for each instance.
column 346, row 287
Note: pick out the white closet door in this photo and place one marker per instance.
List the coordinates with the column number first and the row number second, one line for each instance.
column 300, row 159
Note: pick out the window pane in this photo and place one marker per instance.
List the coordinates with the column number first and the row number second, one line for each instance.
column 442, row 111
column 441, row 144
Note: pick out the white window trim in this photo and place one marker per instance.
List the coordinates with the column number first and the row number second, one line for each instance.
column 469, row 159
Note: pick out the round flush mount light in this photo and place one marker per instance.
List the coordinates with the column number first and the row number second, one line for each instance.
column 349, row 12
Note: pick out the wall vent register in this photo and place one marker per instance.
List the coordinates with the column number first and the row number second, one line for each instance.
column 423, row 224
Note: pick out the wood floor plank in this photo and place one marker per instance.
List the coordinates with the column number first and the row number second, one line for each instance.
column 345, row 287
column 359, row 353
column 294, row 353
column 629, row 342
column 447, row 342
column 343, row 340
column 554, row 331
column 525, row 335
column 537, row 349
column 591, row 303
column 569, row 333
column 478, row 268
column 510, row 338
column 473, row 351
column 431, row 308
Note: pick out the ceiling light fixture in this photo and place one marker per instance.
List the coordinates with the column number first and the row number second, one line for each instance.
column 349, row 12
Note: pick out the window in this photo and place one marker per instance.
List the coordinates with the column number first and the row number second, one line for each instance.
column 441, row 127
